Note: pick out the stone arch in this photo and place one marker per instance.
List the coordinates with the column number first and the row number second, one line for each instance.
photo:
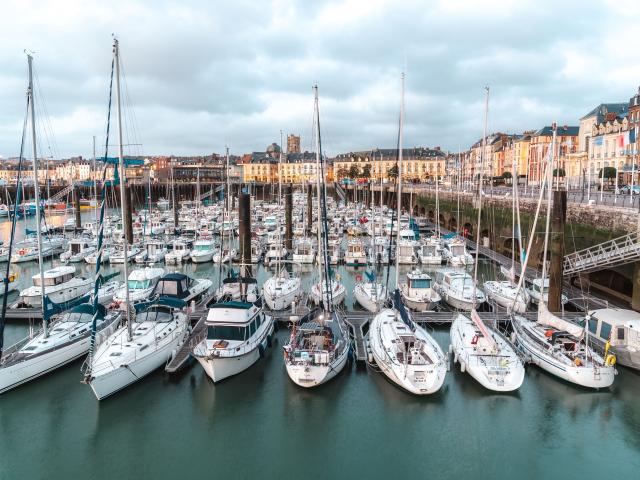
column 423, row 211
column 468, row 230
column 453, row 224
column 416, row 209
column 442, row 220
column 431, row 215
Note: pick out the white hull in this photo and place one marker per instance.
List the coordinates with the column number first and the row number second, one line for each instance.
column 308, row 376
column 584, row 376
column 202, row 257
column 117, row 379
column 30, row 369
column 499, row 370
column 278, row 300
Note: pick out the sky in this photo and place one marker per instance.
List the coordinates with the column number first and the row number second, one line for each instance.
column 202, row 75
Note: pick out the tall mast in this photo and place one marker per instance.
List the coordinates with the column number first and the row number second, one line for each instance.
column 399, row 192
column 95, row 181
column 318, row 225
column 484, row 147
column 549, row 183
column 123, row 179
column 228, row 183
column 36, row 192
column 278, row 268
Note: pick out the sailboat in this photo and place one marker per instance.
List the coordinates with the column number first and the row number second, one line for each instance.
column 62, row 339
column 505, row 292
column 281, row 289
column 483, row 351
column 159, row 327
column 552, row 343
column 318, row 347
column 403, row 350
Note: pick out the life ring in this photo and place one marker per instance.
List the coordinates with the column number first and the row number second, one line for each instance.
column 610, row 360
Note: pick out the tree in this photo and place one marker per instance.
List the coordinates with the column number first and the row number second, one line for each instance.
column 609, row 173
column 366, row 171
column 354, row 171
column 393, row 172
column 559, row 172
column 342, row 173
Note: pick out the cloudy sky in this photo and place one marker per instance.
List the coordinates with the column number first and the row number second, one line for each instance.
column 201, row 75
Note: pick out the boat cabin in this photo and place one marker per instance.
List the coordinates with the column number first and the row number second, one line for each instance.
column 55, row 276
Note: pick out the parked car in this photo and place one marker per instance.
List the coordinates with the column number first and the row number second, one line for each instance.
column 626, row 189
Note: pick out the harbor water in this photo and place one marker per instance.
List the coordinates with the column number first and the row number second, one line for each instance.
column 260, row 425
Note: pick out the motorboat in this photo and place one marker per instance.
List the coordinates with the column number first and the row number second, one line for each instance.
column 537, row 292
column 418, row 292
column 203, row 250
column 355, row 255
column 179, row 253
column 455, row 253
column 116, row 256
column 506, row 294
column 457, row 289
column 141, row 283
column 303, row 251
column 616, row 331
column 236, row 288
column 237, row 335
column 62, row 286
column 78, row 249
column 430, row 252
column 182, row 287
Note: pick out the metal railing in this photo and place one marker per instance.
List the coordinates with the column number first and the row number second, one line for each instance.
column 619, row 251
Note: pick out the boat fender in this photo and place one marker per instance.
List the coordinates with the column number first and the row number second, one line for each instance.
column 370, row 357
column 463, row 367
column 455, row 357
column 610, row 360
column 451, row 348
column 173, row 353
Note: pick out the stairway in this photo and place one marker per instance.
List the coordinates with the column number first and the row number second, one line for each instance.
column 62, row 193
column 619, row 251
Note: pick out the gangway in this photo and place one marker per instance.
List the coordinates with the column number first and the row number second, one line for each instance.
column 612, row 253
column 217, row 189
column 62, row 193
column 340, row 191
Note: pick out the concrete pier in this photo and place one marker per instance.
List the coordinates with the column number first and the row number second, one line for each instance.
column 556, row 247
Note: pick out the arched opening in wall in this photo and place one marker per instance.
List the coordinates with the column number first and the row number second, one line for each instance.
column 485, row 237
column 540, row 257
column 416, row 209
column 607, row 281
column 467, row 231
column 423, row 211
column 442, row 221
column 453, row 224
column 431, row 215
column 508, row 245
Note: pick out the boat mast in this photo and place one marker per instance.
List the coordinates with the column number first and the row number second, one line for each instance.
column 437, row 200
column 399, row 192
column 549, row 182
column 36, row 192
column 95, row 182
column 123, row 175
column 479, row 232
column 278, row 265
column 318, row 225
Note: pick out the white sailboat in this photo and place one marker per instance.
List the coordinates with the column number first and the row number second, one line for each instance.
column 480, row 349
column 318, row 347
column 62, row 340
column 158, row 330
column 555, row 345
column 404, row 351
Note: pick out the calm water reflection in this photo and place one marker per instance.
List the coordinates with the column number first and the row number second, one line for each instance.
column 259, row 424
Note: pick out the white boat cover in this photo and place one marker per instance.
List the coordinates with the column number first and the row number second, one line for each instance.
column 545, row 317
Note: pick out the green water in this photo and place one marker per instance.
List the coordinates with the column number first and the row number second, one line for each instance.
column 260, row 425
